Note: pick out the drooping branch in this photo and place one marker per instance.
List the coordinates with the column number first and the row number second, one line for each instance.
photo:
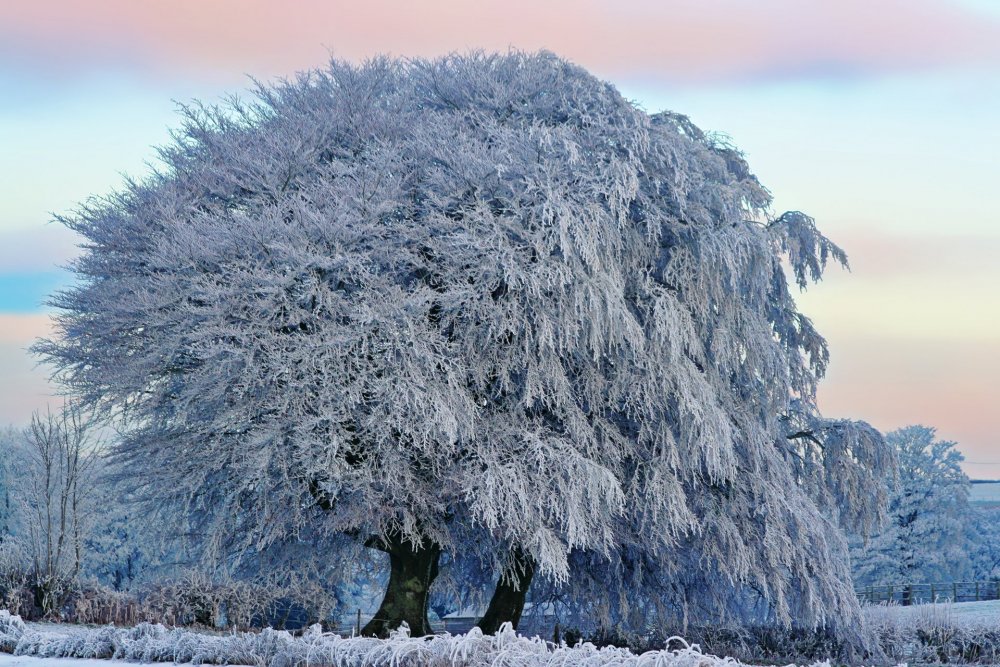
column 805, row 435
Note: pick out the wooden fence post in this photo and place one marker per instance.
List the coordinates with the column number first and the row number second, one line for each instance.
column 977, row 591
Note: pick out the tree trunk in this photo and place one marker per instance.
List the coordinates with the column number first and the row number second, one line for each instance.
column 507, row 602
column 412, row 569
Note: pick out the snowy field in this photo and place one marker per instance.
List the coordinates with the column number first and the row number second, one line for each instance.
column 7, row 660
column 917, row 634
column 78, row 646
column 943, row 614
column 988, row 493
column 964, row 633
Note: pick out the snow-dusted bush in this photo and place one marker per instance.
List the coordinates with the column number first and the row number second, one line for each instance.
column 271, row 648
column 12, row 628
column 195, row 599
column 15, row 578
column 190, row 599
column 746, row 643
column 937, row 633
column 984, row 541
column 99, row 605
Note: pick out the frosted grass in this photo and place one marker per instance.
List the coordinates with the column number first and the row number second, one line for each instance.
column 149, row 643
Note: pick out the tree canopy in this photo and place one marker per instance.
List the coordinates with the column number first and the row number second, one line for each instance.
column 481, row 305
column 926, row 537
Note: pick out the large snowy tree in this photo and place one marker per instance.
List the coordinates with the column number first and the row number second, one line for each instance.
column 925, row 536
column 769, row 545
column 480, row 305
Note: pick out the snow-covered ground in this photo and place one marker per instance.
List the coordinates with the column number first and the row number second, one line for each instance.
column 946, row 613
column 37, row 645
column 929, row 634
column 151, row 643
column 987, row 493
column 7, row 660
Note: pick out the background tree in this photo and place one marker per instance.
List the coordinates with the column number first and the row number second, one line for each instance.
column 10, row 445
column 120, row 546
column 925, row 537
column 481, row 306
column 984, row 538
column 53, row 496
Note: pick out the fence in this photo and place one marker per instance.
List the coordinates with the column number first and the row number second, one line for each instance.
column 540, row 624
column 907, row 594
column 348, row 628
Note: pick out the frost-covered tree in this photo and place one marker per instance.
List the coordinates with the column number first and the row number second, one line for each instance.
column 53, row 497
column 10, row 446
column 120, row 545
column 984, row 543
column 925, row 536
column 480, row 305
column 760, row 542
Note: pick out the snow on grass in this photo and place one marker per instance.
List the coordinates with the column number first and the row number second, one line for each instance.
column 963, row 633
column 31, row 661
column 271, row 648
column 986, row 613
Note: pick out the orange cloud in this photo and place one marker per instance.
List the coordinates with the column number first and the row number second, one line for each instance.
column 682, row 40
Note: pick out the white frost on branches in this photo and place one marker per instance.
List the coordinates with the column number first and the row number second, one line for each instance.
column 482, row 301
column 926, row 537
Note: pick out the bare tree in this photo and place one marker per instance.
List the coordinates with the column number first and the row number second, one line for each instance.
column 55, row 483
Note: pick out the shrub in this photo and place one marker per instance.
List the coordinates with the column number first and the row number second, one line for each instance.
column 191, row 599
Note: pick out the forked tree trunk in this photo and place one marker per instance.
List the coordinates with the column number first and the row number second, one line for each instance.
column 507, row 602
column 412, row 569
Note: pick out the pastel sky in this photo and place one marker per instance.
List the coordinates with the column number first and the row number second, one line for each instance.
column 881, row 118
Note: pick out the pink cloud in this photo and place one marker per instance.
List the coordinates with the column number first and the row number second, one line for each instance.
column 25, row 385
column 949, row 384
column 25, row 388
column 22, row 330
column 881, row 253
column 683, row 40
column 38, row 248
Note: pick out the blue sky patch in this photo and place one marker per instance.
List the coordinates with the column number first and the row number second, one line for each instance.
column 27, row 292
